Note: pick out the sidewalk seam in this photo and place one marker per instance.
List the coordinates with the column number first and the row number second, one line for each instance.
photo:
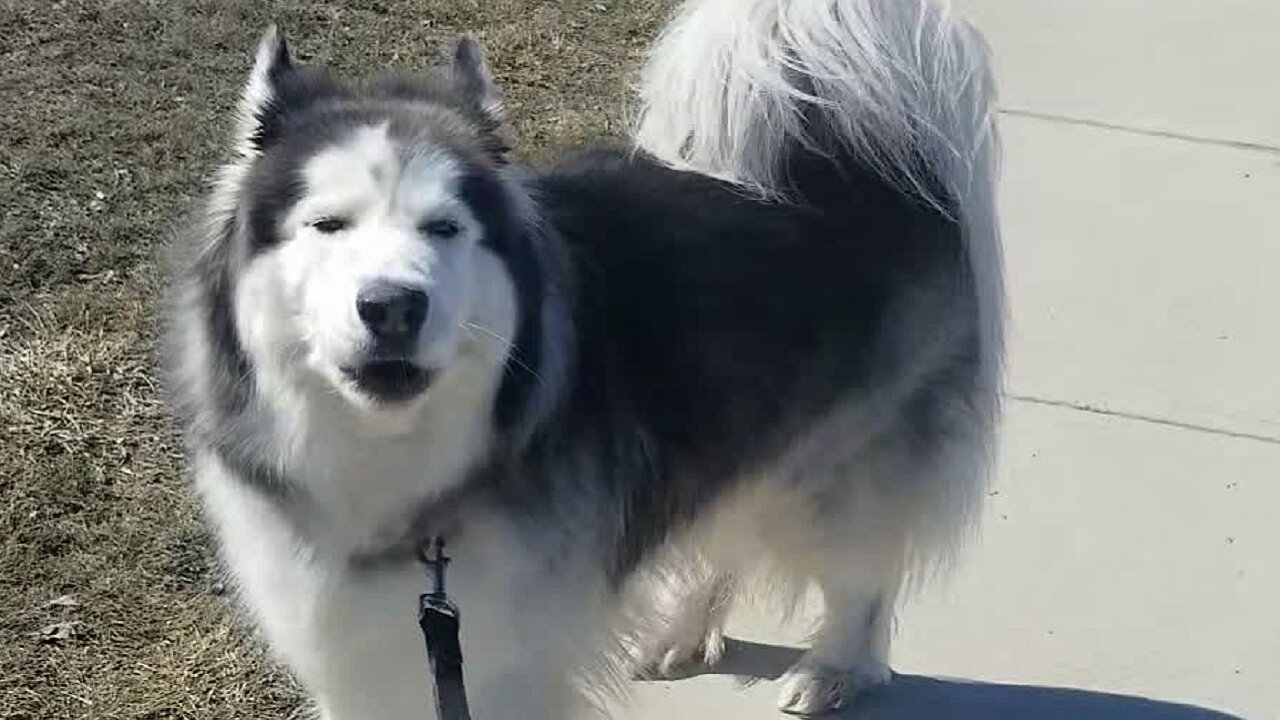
column 1146, row 132
column 1151, row 419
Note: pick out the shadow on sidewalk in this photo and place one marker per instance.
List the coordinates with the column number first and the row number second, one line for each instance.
column 913, row 697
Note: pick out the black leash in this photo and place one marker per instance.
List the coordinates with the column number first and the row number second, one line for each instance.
column 440, row 623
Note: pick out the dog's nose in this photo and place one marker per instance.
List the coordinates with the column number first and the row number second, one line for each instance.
column 393, row 313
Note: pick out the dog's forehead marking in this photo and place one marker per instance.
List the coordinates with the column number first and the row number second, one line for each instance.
column 366, row 156
column 369, row 169
column 427, row 181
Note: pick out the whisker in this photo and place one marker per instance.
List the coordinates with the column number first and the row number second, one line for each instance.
column 477, row 326
column 512, row 356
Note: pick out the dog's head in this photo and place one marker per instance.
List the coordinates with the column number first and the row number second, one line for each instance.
column 367, row 229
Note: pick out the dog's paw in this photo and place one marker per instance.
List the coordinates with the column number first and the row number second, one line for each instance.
column 813, row 689
column 678, row 657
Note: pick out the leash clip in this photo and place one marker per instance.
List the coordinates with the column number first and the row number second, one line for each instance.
column 436, row 562
column 440, row 623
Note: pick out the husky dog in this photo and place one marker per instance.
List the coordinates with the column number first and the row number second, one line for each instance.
column 759, row 344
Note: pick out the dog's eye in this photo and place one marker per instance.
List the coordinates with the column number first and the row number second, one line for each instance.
column 331, row 225
column 441, row 229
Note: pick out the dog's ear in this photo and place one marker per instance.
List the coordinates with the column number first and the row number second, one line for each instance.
column 475, row 80
column 262, row 105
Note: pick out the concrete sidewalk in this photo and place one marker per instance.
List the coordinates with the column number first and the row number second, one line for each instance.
column 1130, row 546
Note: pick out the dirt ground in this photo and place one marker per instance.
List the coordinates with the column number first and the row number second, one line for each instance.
column 113, row 114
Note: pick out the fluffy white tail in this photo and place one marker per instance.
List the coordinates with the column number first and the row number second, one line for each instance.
column 900, row 86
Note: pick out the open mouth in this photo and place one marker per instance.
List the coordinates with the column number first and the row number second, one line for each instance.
column 389, row 380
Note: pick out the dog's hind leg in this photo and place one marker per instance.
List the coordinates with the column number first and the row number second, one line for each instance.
column 850, row 650
column 892, row 514
column 690, row 632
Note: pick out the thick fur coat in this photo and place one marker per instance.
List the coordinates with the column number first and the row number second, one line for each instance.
column 757, row 346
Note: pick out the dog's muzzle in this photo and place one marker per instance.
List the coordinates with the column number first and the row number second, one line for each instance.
column 394, row 316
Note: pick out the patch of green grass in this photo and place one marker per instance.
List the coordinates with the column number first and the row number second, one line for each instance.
column 116, row 112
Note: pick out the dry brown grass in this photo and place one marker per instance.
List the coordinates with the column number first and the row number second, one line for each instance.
column 113, row 112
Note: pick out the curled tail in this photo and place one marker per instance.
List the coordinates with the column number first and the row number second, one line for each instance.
column 740, row 89
column 732, row 87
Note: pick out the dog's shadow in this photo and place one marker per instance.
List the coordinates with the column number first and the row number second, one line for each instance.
column 913, row 697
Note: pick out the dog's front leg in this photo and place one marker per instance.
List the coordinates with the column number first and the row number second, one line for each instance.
column 533, row 626
column 369, row 660
column 362, row 656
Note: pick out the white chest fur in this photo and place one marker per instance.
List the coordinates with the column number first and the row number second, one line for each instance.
column 351, row 635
